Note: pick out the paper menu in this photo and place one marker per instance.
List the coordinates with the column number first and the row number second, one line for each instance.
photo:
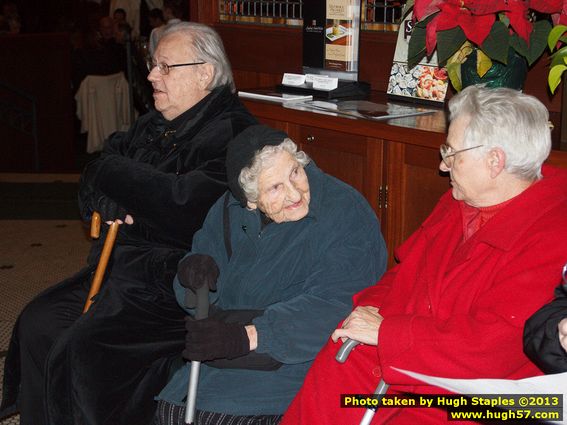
column 546, row 384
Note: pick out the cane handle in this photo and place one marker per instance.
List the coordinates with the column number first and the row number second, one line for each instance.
column 95, row 225
column 345, row 350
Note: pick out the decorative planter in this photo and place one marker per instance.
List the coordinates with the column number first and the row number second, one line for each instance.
column 512, row 75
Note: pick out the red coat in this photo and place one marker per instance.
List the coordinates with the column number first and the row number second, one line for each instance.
column 451, row 309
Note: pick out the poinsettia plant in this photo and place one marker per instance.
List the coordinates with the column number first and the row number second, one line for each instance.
column 495, row 28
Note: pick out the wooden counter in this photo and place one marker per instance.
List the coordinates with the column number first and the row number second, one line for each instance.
column 394, row 163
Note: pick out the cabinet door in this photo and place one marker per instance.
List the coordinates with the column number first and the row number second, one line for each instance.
column 356, row 160
column 414, row 185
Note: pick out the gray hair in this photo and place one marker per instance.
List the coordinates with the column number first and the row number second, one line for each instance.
column 208, row 48
column 248, row 178
column 508, row 119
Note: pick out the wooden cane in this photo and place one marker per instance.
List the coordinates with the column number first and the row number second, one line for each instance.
column 95, row 225
column 102, row 263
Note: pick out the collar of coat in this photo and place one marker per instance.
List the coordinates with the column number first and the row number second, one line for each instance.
column 509, row 225
column 215, row 103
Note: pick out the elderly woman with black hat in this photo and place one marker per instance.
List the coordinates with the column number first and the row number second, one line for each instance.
column 282, row 253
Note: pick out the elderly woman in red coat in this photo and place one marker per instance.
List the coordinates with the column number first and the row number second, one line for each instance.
column 487, row 257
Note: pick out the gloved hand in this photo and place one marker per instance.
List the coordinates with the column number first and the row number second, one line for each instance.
column 210, row 339
column 108, row 209
column 198, row 270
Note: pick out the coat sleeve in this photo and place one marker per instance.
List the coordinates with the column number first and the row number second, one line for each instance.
column 293, row 331
column 485, row 341
column 541, row 336
column 165, row 202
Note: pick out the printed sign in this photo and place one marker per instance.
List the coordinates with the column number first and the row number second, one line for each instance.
column 426, row 81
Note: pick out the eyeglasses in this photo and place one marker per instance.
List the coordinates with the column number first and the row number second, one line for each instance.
column 163, row 68
column 448, row 154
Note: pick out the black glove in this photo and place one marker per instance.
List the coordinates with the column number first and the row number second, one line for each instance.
column 108, row 209
column 211, row 339
column 198, row 270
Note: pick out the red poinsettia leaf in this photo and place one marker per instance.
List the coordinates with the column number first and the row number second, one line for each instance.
column 424, row 8
column 483, row 7
column 518, row 19
column 475, row 27
column 546, row 6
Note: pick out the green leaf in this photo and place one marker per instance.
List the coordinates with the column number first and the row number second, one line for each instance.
column 497, row 44
column 454, row 73
column 519, row 45
column 483, row 63
column 559, row 57
column 538, row 39
column 554, row 77
column 448, row 42
column 554, row 35
column 504, row 19
column 416, row 47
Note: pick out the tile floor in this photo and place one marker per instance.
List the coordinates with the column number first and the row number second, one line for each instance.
column 34, row 254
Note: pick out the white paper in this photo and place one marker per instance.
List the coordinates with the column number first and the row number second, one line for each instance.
column 309, row 77
column 325, row 83
column 545, row 384
column 290, row 79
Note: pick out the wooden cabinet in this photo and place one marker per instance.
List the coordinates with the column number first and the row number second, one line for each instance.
column 351, row 158
column 395, row 164
column 414, row 184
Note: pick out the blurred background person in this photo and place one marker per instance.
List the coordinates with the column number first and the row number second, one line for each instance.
column 172, row 13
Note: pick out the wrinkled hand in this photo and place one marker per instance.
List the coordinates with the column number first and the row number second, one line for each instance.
column 562, row 327
column 362, row 325
column 110, row 210
column 211, row 339
column 198, row 270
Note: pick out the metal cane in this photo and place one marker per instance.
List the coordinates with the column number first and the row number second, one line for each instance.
column 381, row 389
column 201, row 312
column 104, row 256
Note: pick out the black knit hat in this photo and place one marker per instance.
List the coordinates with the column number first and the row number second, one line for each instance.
column 241, row 152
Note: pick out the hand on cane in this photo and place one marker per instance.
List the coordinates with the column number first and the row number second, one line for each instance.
column 110, row 211
column 362, row 325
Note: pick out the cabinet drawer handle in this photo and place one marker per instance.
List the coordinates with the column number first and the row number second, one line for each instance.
column 310, row 139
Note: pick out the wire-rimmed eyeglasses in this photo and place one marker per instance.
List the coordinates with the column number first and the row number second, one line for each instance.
column 448, row 153
column 163, row 67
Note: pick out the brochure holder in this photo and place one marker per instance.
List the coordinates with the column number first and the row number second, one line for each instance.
column 331, row 32
column 345, row 89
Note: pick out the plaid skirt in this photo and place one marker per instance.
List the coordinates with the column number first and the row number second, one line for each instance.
column 170, row 414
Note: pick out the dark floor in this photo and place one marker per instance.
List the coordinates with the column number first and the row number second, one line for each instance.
column 38, row 201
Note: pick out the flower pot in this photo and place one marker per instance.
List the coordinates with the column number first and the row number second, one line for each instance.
column 513, row 75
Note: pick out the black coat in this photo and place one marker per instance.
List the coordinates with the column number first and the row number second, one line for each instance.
column 167, row 174
column 541, row 336
column 105, row 367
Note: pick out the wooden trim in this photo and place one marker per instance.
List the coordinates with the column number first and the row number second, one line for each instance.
column 204, row 11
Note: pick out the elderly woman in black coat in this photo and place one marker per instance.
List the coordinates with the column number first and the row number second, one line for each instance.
column 160, row 179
